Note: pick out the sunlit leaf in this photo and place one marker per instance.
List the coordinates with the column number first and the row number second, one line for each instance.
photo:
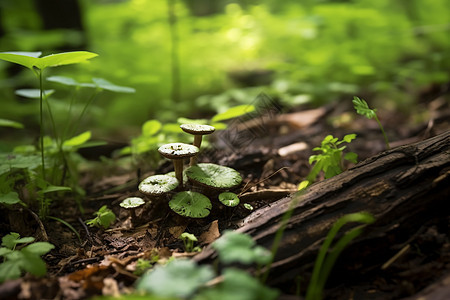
column 233, row 112
column 65, row 58
column 77, row 140
column 10, row 123
column 151, row 127
column 26, row 59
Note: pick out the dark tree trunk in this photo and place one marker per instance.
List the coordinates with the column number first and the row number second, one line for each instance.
column 406, row 189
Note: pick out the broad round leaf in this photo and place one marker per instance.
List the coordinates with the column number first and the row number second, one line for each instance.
column 229, row 199
column 63, row 80
column 191, row 204
column 10, row 198
column 215, row 176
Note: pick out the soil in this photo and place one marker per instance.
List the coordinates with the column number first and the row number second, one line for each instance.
column 271, row 152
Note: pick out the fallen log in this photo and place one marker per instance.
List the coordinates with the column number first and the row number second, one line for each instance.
column 406, row 189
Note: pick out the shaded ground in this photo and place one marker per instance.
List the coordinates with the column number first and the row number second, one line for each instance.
column 271, row 152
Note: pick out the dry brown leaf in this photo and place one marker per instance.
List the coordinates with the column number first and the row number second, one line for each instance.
column 211, row 234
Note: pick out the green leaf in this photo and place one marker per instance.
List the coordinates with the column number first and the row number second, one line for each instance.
column 9, row 270
column 26, row 59
column 5, row 251
column 65, row 58
column 38, row 248
column 106, row 85
column 237, row 247
column 229, row 199
column 248, row 206
column 151, row 127
column 191, row 204
column 9, row 240
column 349, row 137
column 77, row 140
column 233, row 112
column 10, row 198
column 33, row 264
column 34, row 93
column 238, row 285
column 362, row 108
column 192, row 121
column 303, row 185
column 351, row 157
column 54, row 188
column 63, row 80
column 10, row 123
column 179, row 278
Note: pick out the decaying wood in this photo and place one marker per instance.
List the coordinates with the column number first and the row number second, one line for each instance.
column 402, row 188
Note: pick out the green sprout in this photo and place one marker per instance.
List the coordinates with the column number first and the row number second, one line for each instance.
column 104, row 218
column 362, row 108
column 27, row 259
column 37, row 64
column 330, row 161
column 324, row 263
column 188, row 241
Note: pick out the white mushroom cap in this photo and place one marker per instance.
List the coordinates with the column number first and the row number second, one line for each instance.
column 178, row 150
column 158, row 185
column 197, row 129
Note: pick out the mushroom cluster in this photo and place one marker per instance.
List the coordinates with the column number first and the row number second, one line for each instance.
column 206, row 175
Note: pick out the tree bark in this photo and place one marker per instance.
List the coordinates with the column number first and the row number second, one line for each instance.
column 403, row 188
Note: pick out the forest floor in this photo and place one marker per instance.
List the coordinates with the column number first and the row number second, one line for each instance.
column 271, row 153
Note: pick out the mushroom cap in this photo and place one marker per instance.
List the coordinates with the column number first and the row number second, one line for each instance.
column 197, row 129
column 177, row 150
column 158, row 185
column 191, row 204
column 132, row 202
column 214, row 176
column 229, row 199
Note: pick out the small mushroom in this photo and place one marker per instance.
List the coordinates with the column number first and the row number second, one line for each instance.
column 214, row 176
column 177, row 152
column 198, row 130
column 132, row 203
column 191, row 204
column 158, row 185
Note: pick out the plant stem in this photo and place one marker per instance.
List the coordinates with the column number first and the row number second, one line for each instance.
column 384, row 133
column 41, row 127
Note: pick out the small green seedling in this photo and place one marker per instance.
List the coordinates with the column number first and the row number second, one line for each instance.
column 362, row 108
column 142, row 265
column 330, row 161
column 188, row 240
column 248, row 206
column 37, row 64
column 104, row 218
column 27, row 259
column 324, row 263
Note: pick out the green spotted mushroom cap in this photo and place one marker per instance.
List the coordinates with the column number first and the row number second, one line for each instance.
column 158, row 184
column 132, row 202
column 191, row 204
column 214, row 176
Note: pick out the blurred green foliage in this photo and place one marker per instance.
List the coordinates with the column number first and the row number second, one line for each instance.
column 315, row 50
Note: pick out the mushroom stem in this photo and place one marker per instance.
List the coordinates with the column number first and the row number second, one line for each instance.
column 178, row 167
column 197, row 143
